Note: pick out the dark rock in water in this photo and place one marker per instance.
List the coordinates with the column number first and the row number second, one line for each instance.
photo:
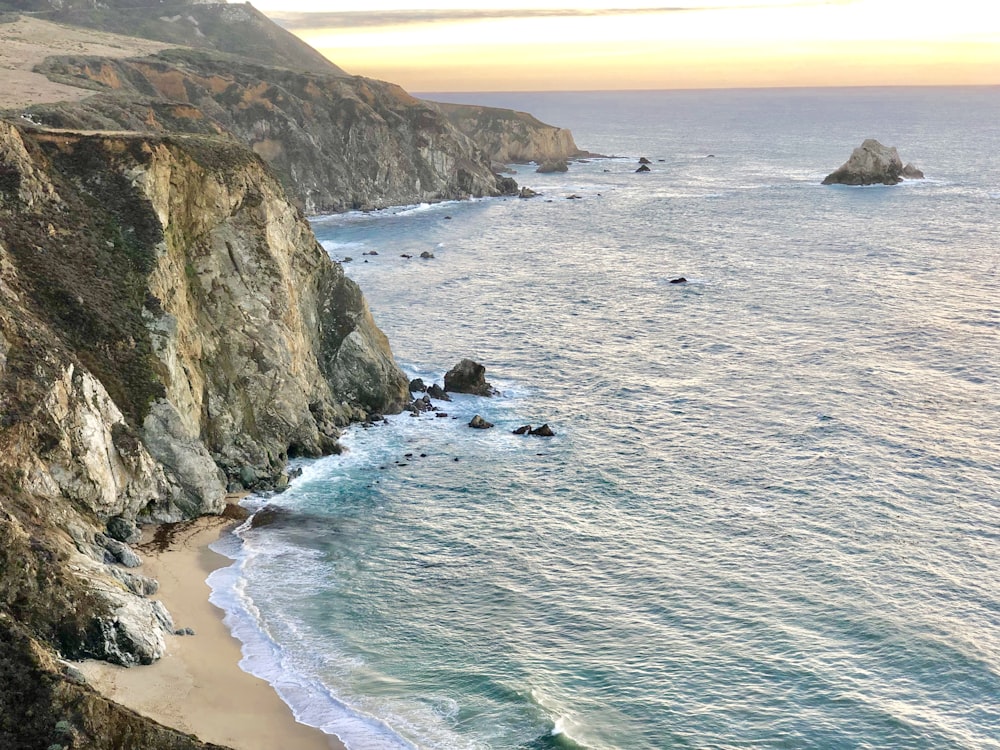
column 123, row 530
column 405, row 255
column 543, row 431
column 436, row 391
column 522, row 430
column 506, row 185
column 559, row 165
column 679, row 280
column 370, row 252
column 417, row 386
column 710, row 156
column 910, row 172
column 661, row 159
column 267, row 516
column 468, row 377
column 479, row 423
column 644, row 160
column 574, row 197
column 643, row 168
column 527, row 192
column 441, row 415
column 422, row 404
column 426, row 255
column 871, row 163
column 348, row 259
column 447, row 218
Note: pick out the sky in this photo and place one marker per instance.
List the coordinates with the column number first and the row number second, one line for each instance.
column 465, row 45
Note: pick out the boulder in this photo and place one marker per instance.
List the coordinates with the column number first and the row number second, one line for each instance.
column 678, row 280
column 417, row 386
column 644, row 160
column 426, row 255
column 268, row 515
column 468, row 377
column 644, row 168
column 522, row 430
column 527, row 192
column 478, row 423
column 543, row 431
column 558, row 165
column 436, row 391
column 123, row 530
column 910, row 172
column 871, row 163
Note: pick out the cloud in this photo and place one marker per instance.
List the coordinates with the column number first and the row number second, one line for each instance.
column 303, row 21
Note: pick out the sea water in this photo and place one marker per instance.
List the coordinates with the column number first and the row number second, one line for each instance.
column 770, row 516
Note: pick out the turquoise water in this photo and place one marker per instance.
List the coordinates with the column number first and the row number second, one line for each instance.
column 769, row 518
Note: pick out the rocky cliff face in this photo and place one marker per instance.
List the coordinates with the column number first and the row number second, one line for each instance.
column 509, row 136
column 169, row 327
column 338, row 142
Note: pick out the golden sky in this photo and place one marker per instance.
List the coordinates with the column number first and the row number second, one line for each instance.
column 463, row 45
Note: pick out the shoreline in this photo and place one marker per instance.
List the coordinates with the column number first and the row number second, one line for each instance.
column 198, row 685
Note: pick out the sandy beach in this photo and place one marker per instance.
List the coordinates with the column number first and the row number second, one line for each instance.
column 198, row 687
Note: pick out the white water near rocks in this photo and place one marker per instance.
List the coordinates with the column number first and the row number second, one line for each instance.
column 769, row 517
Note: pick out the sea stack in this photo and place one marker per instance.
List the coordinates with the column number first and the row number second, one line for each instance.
column 871, row 163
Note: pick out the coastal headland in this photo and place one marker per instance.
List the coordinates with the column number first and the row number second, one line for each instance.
column 171, row 332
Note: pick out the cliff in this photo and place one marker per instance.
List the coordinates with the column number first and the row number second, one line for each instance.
column 338, row 142
column 507, row 135
column 169, row 329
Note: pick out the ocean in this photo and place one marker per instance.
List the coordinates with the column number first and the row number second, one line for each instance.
column 770, row 515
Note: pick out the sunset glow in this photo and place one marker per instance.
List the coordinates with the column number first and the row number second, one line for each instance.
column 482, row 46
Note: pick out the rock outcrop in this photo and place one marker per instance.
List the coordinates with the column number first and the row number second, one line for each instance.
column 468, row 376
column 169, row 326
column 509, row 136
column 871, row 163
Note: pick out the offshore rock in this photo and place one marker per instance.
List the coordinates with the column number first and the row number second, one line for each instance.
column 468, row 377
column 436, row 391
column 871, row 163
column 644, row 168
column 910, row 172
column 543, row 431
column 478, row 423
column 558, row 165
column 417, row 386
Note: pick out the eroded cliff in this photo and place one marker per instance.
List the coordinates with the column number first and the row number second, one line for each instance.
column 337, row 142
column 507, row 135
column 169, row 329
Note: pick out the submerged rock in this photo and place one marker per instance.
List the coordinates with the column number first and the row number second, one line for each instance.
column 678, row 280
column 644, row 168
column 871, row 163
column 644, row 160
column 522, row 430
